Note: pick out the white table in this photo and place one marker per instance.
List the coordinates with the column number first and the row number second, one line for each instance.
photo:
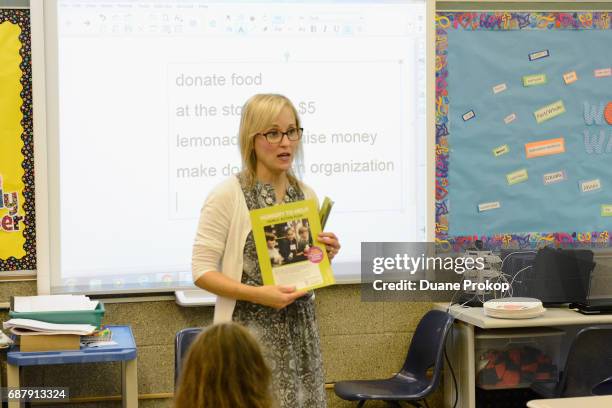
column 461, row 344
column 590, row 402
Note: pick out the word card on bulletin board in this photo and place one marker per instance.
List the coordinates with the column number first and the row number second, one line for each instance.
column 17, row 229
column 523, row 129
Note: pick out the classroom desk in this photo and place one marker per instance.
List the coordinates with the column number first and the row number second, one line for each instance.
column 590, row 402
column 461, row 343
column 124, row 351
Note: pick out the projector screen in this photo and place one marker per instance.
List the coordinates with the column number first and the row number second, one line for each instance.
column 143, row 103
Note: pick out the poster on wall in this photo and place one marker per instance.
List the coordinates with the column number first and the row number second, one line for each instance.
column 523, row 129
column 17, row 229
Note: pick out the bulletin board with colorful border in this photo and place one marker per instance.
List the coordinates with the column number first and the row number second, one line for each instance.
column 17, row 229
column 523, row 129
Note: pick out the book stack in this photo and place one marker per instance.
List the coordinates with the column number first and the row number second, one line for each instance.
column 57, row 322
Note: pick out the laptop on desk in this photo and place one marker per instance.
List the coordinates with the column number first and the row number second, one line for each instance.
column 593, row 306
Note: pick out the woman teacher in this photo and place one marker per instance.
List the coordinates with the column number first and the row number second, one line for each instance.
column 225, row 259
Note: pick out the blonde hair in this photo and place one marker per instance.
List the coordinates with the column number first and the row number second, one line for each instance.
column 258, row 114
column 225, row 368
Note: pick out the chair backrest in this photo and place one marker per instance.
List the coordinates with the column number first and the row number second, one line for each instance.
column 427, row 347
column 589, row 362
column 183, row 340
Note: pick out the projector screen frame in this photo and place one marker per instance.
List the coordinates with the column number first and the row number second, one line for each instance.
column 46, row 130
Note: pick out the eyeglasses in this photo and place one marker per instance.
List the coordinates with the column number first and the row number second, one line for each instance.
column 276, row 136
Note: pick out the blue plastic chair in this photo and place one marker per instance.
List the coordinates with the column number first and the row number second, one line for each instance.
column 411, row 384
column 588, row 368
column 183, row 340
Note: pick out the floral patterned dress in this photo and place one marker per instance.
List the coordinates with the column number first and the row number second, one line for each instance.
column 290, row 336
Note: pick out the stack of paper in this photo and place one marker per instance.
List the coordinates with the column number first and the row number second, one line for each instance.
column 35, row 327
column 53, row 303
column 32, row 316
column 513, row 308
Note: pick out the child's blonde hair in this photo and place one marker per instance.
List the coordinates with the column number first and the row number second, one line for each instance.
column 225, row 368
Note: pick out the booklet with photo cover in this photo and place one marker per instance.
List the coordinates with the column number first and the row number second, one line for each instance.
column 287, row 246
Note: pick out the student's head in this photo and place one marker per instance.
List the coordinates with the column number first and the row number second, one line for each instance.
column 303, row 231
column 270, row 240
column 263, row 152
column 224, row 368
column 290, row 233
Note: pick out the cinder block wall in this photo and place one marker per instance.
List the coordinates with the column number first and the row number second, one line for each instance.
column 359, row 340
column 601, row 279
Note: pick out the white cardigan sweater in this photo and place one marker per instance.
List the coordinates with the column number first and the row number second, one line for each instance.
column 222, row 231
